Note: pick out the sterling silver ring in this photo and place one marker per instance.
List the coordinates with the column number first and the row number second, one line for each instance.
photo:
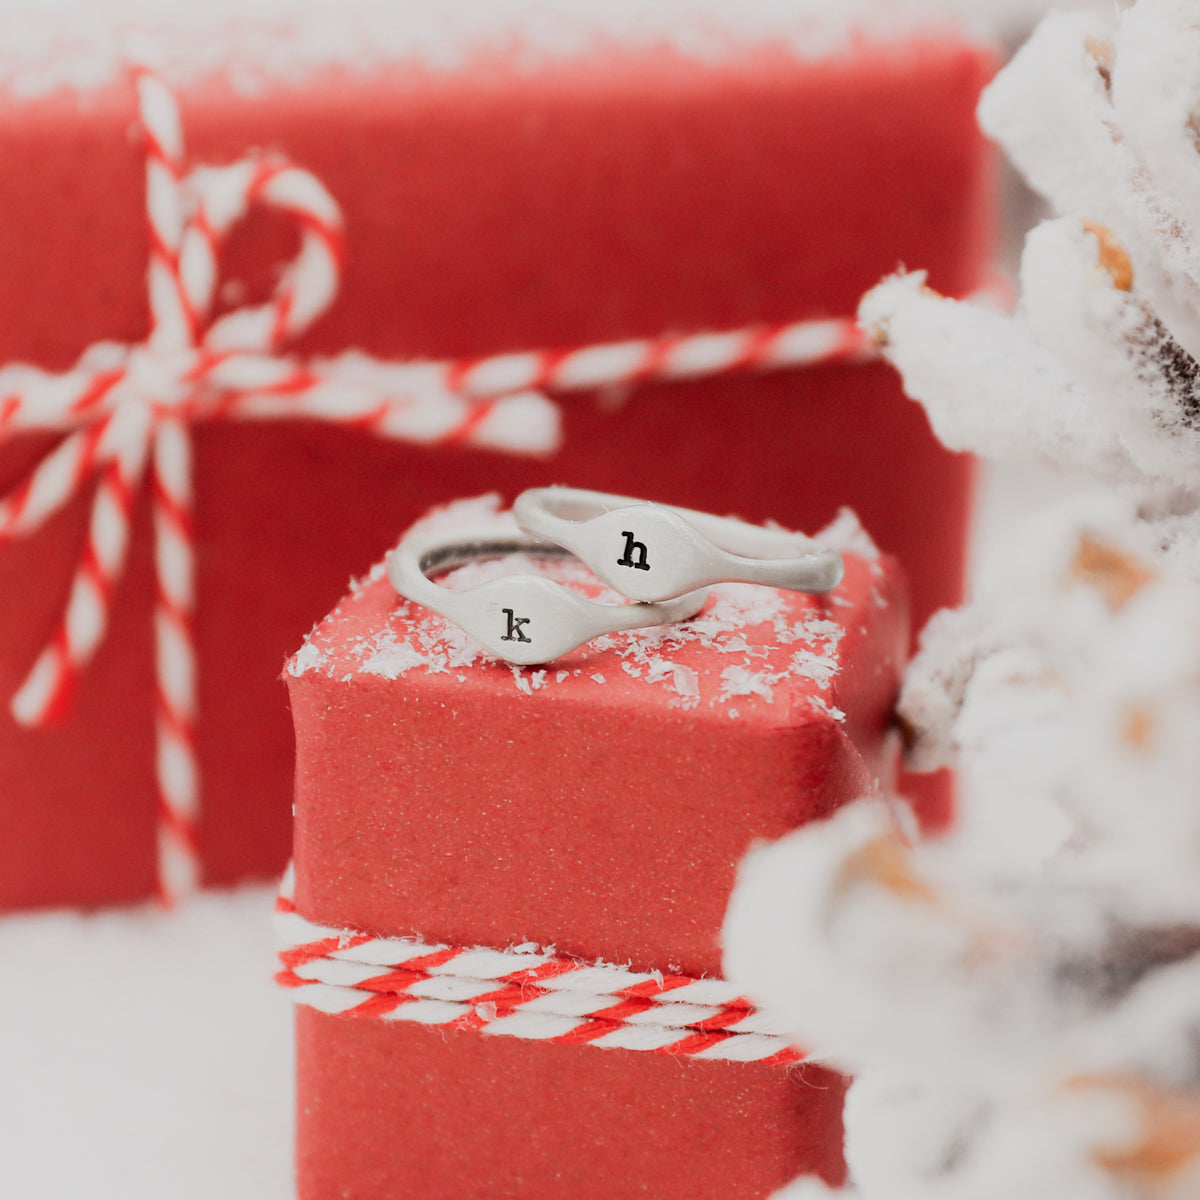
column 653, row 552
column 523, row 619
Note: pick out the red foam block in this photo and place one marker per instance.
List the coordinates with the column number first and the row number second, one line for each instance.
column 601, row 805
column 401, row 1110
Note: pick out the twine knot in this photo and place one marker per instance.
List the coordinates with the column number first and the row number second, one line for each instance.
column 167, row 385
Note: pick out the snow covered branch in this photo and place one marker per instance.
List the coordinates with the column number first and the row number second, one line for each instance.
column 1020, row 1000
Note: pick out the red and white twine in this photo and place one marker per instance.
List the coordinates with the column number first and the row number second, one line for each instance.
column 125, row 413
column 524, row 992
column 668, row 358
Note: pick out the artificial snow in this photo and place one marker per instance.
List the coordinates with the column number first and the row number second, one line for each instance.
column 431, row 643
column 846, row 534
column 146, row 1055
column 987, row 384
column 48, row 45
column 307, row 658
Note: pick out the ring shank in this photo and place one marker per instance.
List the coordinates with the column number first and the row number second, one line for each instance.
column 752, row 553
column 447, row 556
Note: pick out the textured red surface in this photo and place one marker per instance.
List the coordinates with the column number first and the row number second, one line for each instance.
column 603, row 817
column 505, row 212
column 401, row 1110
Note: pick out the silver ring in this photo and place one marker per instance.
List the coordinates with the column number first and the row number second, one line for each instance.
column 654, row 552
column 522, row 619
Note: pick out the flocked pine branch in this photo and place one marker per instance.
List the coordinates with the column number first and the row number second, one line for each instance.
column 1019, row 1000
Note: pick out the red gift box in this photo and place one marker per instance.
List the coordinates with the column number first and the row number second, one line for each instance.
column 508, row 204
column 599, row 805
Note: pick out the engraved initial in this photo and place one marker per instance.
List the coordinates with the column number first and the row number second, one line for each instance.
column 514, row 633
column 628, row 559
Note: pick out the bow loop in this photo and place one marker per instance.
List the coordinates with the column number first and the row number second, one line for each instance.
column 217, row 198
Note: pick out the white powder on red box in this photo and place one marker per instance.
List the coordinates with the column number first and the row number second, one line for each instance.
column 436, row 645
column 431, row 643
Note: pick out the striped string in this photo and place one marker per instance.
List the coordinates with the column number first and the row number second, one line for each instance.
column 524, row 992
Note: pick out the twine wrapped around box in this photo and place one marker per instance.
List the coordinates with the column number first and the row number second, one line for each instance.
column 526, row 992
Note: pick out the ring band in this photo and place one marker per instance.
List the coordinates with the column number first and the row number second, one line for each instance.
column 523, row 619
column 652, row 552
